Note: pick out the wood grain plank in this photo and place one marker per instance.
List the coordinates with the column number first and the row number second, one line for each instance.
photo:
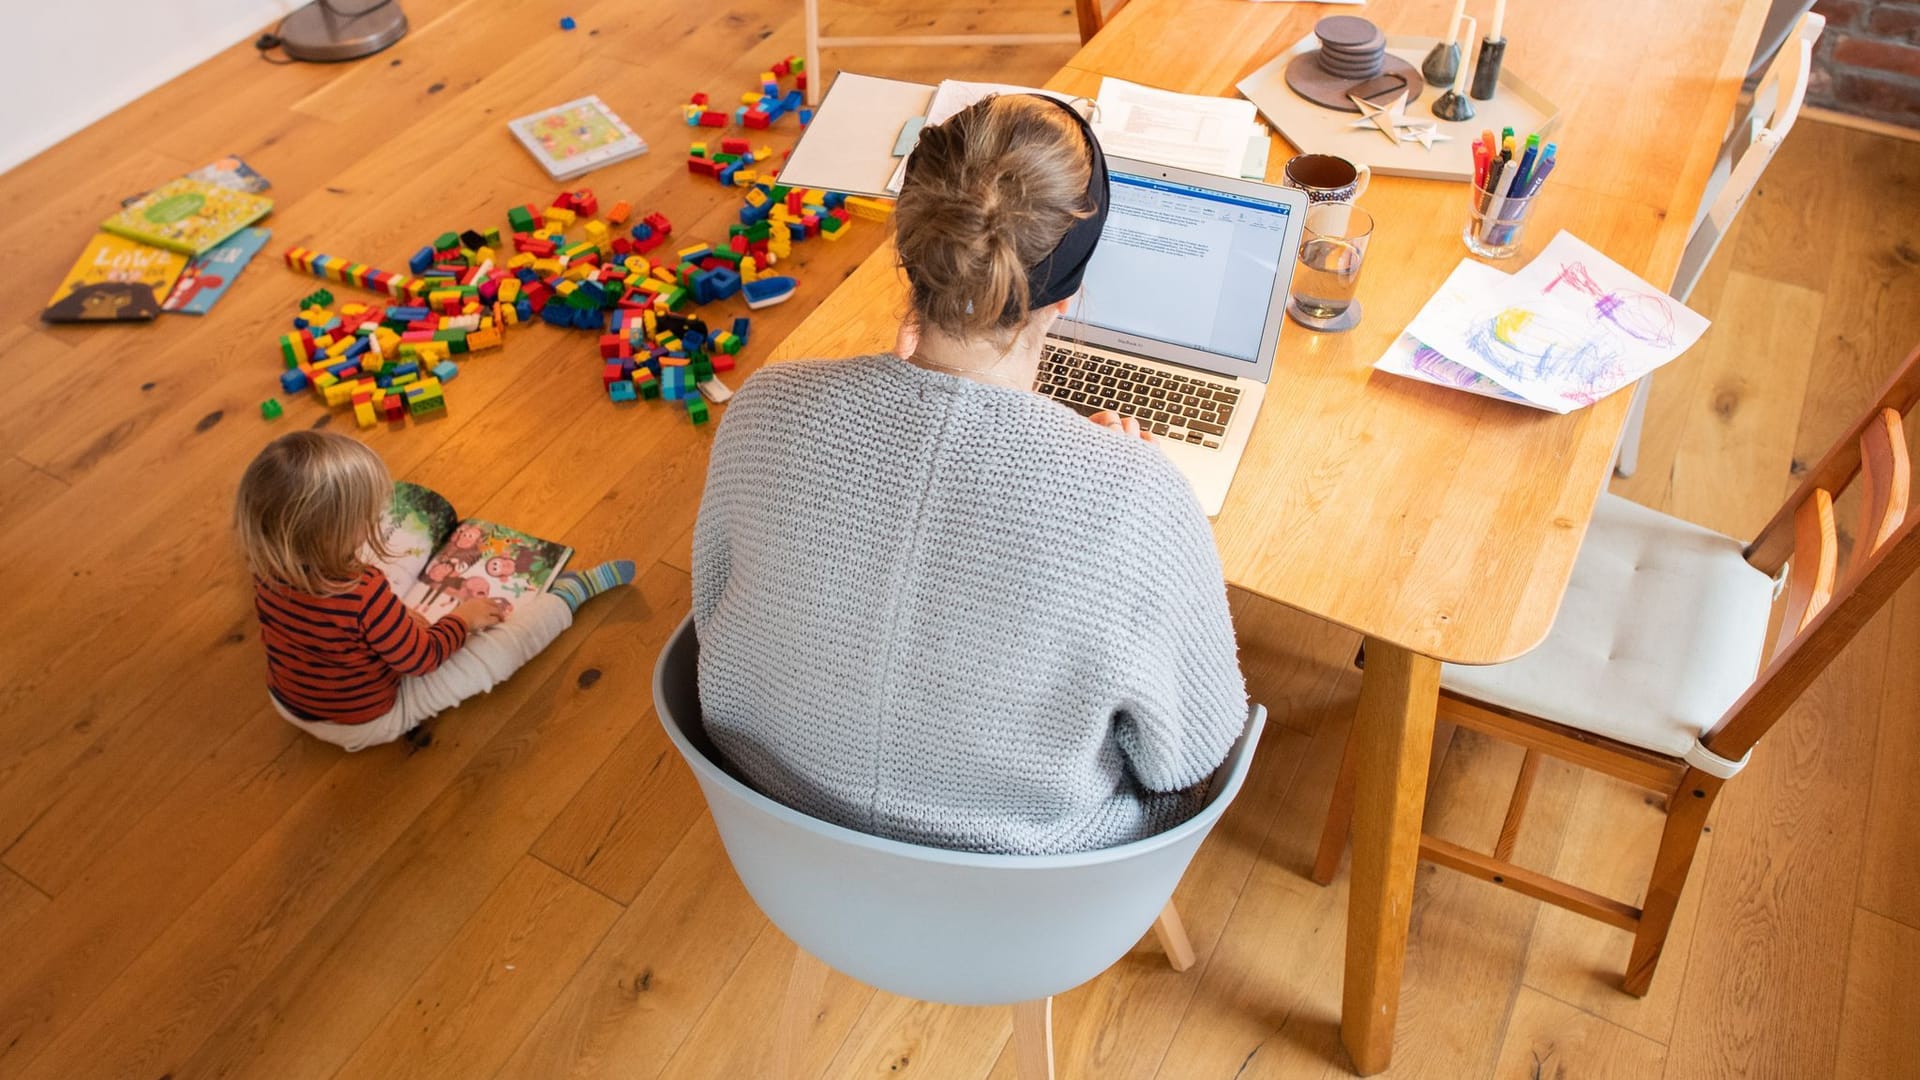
column 66, row 955
column 1889, row 873
column 471, row 1007
column 1550, row 1038
column 628, row 818
column 1613, row 830
column 22, row 486
column 19, row 901
column 1765, row 978
column 718, row 1048
column 263, row 906
column 635, row 999
column 1877, row 1033
column 1734, row 463
column 312, row 1008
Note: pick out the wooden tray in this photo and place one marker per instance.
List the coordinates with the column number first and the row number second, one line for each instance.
column 1314, row 129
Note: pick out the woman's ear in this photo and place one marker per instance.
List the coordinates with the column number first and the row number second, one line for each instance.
column 1060, row 308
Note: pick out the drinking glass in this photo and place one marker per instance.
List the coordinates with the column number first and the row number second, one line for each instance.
column 1332, row 249
column 1493, row 224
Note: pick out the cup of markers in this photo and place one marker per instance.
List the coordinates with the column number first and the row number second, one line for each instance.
column 1507, row 178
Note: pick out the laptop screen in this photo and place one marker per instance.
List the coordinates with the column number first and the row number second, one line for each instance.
column 1186, row 265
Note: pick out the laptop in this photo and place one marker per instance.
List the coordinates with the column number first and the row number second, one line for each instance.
column 1179, row 314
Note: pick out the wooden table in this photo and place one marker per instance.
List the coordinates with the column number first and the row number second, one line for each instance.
column 1440, row 525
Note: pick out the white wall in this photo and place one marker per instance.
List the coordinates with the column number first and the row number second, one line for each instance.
column 74, row 61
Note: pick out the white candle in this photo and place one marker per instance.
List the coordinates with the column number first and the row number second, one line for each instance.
column 1453, row 24
column 1498, row 33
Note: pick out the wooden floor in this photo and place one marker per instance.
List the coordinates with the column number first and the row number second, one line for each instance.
column 188, row 888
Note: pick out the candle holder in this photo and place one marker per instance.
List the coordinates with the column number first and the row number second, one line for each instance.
column 1453, row 105
column 1442, row 63
column 1486, row 73
column 1443, row 60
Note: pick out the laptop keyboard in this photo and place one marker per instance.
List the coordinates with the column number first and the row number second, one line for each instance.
column 1190, row 408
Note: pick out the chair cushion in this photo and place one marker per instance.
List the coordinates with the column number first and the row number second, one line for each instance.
column 1660, row 631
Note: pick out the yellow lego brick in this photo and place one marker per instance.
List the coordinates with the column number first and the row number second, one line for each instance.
column 638, row 266
column 597, row 232
column 559, row 216
column 509, row 290
column 655, row 286
column 521, row 260
column 547, row 267
column 665, row 273
column 861, row 206
column 751, row 99
column 746, row 178
column 581, row 271
column 694, row 250
column 363, row 413
column 353, row 309
column 484, row 255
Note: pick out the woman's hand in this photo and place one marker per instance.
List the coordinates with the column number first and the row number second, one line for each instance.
column 480, row 612
column 1125, row 425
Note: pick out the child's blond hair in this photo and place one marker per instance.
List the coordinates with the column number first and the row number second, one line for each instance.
column 309, row 504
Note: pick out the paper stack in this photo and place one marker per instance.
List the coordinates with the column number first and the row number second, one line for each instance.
column 1568, row 329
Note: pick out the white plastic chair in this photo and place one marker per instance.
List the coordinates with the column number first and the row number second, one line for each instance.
column 928, row 923
column 1743, row 157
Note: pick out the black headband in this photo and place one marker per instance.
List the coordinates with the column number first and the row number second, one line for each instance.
column 1057, row 277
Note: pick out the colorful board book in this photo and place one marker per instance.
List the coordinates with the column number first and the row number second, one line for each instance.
column 115, row 280
column 208, row 277
column 442, row 559
column 571, row 139
column 188, row 215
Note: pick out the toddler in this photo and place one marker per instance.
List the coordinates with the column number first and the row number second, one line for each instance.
column 346, row 661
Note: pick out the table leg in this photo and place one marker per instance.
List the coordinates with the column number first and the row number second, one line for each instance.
column 1393, row 737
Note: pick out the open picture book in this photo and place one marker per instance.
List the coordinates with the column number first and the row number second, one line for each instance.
column 441, row 559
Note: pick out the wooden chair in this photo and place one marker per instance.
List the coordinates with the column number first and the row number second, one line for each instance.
column 930, row 923
column 1648, row 673
column 1754, row 138
column 1089, row 13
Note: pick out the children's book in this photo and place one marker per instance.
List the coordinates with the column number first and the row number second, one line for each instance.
column 228, row 172
column 442, row 559
column 568, row 140
column 208, row 276
column 115, row 280
column 188, row 215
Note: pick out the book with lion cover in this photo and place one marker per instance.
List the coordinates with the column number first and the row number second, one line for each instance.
column 188, row 215
column 115, row 280
column 442, row 559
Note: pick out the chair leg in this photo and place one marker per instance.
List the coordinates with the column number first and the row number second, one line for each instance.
column 1626, row 457
column 1333, row 839
column 1033, row 1040
column 804, row 984
column 1172, row 934
column 813, row 53
column 1686, row 816
column 1090, row 16
column 1516, row 807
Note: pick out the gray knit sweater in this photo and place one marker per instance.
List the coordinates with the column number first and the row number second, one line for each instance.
column 956, row 614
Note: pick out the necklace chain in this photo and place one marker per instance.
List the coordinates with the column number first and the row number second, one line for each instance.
column 979, row 373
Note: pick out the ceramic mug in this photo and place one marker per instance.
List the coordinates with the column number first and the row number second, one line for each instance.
column 1326, row 178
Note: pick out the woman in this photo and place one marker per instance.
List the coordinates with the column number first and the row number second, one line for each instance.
column 934, row 605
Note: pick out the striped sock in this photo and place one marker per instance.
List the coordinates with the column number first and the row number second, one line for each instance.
column 577, row 587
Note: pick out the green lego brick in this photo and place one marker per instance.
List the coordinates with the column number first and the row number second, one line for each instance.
column 270, row 409
column 697, row 409
column 446, row 241
column 520, row 220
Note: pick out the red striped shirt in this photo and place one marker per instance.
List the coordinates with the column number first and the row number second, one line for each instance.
column 340, row 658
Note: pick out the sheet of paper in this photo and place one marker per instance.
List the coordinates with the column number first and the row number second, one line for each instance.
column 1408, row 358
column 1254, row 165
column 849, row 144
column 950, row 97
column 1567, row 330
column 1185, row 131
